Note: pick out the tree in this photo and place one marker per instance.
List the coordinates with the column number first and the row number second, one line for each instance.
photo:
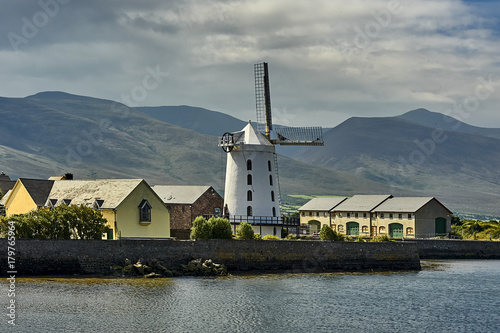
column 220, row 228
column 245, row 231
column 326, row 233
column 62, row 222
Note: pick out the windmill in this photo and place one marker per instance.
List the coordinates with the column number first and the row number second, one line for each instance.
column 252, row 191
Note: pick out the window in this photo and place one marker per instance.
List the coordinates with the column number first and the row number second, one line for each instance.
column 272, row 195
column 249, row 211
column 381, row 230
column 269, row 165
column 348, row 214
column 249, row 179
column 66, row 201
column 409, row 231
column 144, row 211
column 364, row 228
column 334, row 227
column 271, row 180
column 317, row 213
column 356, row 215
column 390, row 215
column 249, row 164
column 400, row 216
column 303, row 214
column 310, row 213
column 98, row 204
column 409, row 216
column 274, row 211
column 341, row 228
column 52, row 203
column 381, row 215
column 249, row 195
column 364, row 215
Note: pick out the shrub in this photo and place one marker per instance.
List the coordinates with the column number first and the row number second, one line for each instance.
column 326, row 233
column 267, row 237
column 220, row 228
column 201, row 229
column 257, row 236
column 381, row 238
column 245, row 231
column 291, row 237
column 360, row 239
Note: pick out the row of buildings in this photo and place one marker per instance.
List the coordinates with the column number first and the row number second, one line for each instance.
column 374, row 215
column 132, row 207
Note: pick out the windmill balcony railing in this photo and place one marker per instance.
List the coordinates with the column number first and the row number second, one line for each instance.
column 264, row 220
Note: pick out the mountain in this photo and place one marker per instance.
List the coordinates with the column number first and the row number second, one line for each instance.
column 438, row 120
column 459, row 168
column 52, row 133
column 196, row 119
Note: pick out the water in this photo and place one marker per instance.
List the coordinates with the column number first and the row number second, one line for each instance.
column 455, row 296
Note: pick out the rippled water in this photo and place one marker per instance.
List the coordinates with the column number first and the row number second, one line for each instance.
column 455, row 296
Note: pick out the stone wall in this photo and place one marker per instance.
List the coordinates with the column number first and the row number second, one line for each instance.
column 68, row 257
column 457, row 249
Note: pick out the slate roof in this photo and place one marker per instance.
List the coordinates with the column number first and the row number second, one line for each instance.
column 5, row 197
column 362, row 203
column 38, row 189
column 6, row 183
column 179, row 194
column 405, row 204
column 322, row 204
column 85, row 192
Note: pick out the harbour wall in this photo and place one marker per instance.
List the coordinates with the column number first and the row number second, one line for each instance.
column 80, row 257
column 457, row 249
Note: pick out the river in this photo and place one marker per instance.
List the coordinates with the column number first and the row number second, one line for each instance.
column 446, row 296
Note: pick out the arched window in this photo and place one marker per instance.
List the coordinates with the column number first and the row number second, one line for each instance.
column 381, row 230
column 249, row 179
column 249, row 164
column 269, row 165
column 272, row 195
column 274, row 211
column 249, row 195
column 409, row 231
column 249, row 211
column 271, row 180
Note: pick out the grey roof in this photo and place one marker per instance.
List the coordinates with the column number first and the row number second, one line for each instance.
column 322, row 204
column 405, row 204
column 85, row 192
column 5, row 197
column 362, row 203
column 6, row 183
column 180, row 194
column 38, row 189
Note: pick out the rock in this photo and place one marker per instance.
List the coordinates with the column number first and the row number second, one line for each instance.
column 153, row 276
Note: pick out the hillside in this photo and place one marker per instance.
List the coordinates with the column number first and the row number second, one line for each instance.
column 460, row 169
column 53, row 133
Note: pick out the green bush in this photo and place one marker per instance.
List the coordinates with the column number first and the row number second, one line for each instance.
column 220, row 228
column 291, row 237
column 326, row 233
column 201, row 229
column 245, row 231
column 257, row 236
column 360, row 239
column 381, row 238
column 267, row 237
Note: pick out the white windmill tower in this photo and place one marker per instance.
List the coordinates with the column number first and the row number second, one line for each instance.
column 252, row 191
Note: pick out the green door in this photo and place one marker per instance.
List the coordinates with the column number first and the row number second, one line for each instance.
column 440, row 226
column 352, row 228
column 396, row 230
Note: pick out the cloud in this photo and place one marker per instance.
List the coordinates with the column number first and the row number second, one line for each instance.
column 329, row 60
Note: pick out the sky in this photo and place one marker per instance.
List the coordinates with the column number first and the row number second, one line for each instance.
column 328, row 60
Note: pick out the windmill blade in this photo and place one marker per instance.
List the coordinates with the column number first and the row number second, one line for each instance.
column 299, row 136
column 263, row 98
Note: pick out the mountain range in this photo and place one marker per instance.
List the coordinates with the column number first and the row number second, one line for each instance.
column 419, row 153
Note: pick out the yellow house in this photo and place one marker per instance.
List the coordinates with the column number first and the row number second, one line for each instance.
column 27, row 195
column 316, row 213
column 132, row 208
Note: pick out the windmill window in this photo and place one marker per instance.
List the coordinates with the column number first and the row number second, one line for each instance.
column 249, row 211
column 269, row 165
column 249, row 179
column 272, row 195
column 274, row 211
column 144, row 211
column 249, row 195
column 271, row 180
column 249, row 164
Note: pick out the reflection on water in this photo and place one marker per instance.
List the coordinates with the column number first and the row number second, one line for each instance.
column 447, row 296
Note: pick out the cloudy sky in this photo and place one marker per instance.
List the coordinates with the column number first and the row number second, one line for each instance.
column 328, row 60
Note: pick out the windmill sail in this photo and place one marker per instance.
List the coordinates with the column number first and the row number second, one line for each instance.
column 263, row 99
column 299, row 136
